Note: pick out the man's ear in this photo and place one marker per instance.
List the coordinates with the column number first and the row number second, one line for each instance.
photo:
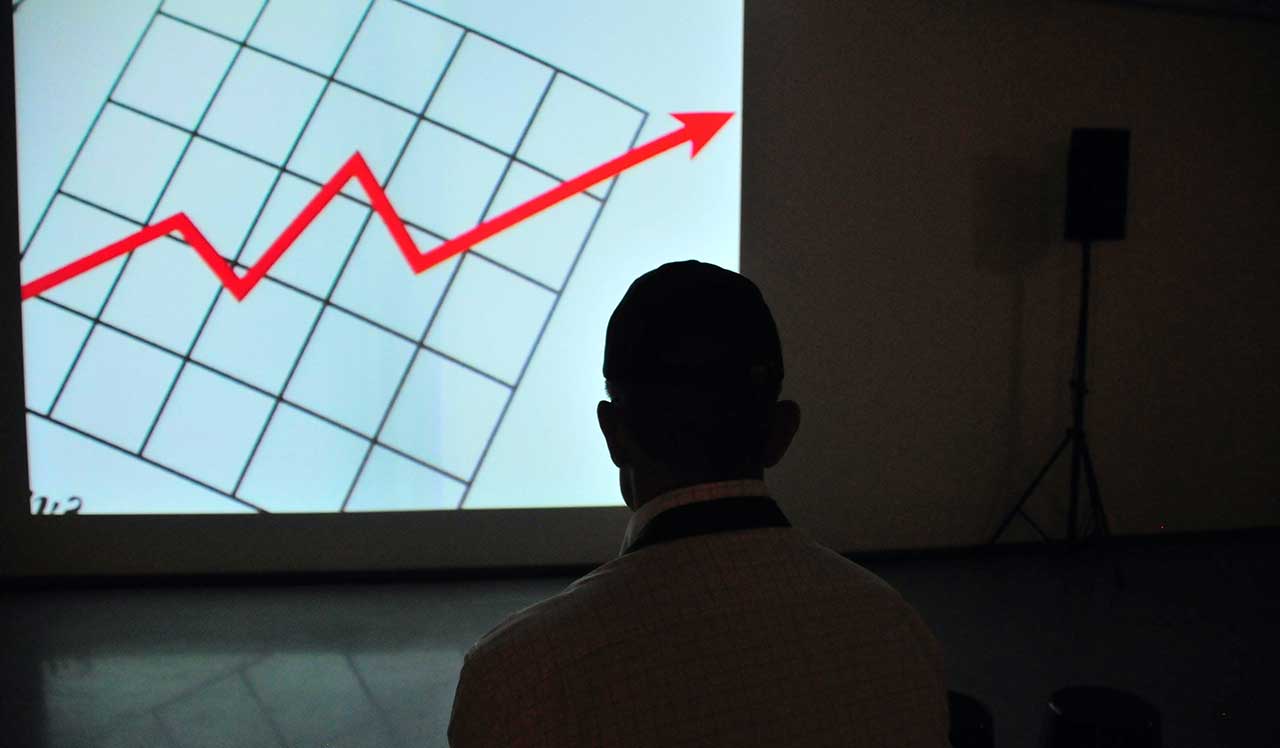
column 611, row 427
column 784, row 422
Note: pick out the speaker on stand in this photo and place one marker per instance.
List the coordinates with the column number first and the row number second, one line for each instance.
column 1097, row 201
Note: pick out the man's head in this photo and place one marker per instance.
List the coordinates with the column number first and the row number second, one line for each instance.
column 693, row 368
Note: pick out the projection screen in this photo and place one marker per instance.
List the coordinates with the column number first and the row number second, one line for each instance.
column 311, row 281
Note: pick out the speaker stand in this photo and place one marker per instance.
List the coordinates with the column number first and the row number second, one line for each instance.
column 1076, row 438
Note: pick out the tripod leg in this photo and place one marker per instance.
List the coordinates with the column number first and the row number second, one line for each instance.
column 1077, row 464
column 1030, row 490
column 1099, row 513
column 1043, row 535
column 1095, row 495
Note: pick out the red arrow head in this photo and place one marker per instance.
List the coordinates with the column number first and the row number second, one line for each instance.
column 701, row 127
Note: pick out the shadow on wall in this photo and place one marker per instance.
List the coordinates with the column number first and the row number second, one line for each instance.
column 1018, row 205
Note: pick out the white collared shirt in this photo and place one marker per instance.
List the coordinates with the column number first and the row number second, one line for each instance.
column 748, row 637
column 689, row 495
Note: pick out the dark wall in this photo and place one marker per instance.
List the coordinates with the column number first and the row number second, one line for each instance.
column 905, row 168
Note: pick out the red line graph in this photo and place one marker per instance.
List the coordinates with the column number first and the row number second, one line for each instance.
column 698, row 129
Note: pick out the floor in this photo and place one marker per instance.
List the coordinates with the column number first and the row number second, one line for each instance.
column 375, row 664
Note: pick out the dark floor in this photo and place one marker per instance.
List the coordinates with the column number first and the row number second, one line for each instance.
column 375, row 664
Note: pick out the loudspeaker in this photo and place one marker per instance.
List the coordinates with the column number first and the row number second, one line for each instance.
column 1097, row 184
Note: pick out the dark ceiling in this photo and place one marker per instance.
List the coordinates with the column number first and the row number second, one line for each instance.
column 1264, row 9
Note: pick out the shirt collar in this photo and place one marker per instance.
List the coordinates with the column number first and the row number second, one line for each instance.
column 689, row 495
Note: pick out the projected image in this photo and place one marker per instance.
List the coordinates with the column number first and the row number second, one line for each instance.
column 291, row 256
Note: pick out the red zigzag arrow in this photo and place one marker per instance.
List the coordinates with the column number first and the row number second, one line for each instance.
column 699, row 128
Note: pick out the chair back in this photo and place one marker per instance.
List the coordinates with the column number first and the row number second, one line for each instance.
column 970, row 722
column 1099, row 717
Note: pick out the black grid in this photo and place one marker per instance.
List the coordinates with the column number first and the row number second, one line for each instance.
column 326, row 304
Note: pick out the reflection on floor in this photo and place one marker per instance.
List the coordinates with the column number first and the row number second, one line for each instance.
column 376, row 664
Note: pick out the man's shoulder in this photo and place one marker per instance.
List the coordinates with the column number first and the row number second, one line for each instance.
column 789, row 558
column 550, row 619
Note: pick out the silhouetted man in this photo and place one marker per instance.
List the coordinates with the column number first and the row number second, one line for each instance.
column 719, row 623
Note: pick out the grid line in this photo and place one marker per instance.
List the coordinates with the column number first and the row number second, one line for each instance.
column 409, row 224
column 546, row 321
column 310, row 295
column 325, row 301
column 178, row 473
column 341, row 194
column 275, row 406
column 433, row 14
column 257, row 388
column 533, row 57
column 124, row 266
column 343, row 84
column 75, row 156
column 435, row 313
column 364, row 461
column 173, row 385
